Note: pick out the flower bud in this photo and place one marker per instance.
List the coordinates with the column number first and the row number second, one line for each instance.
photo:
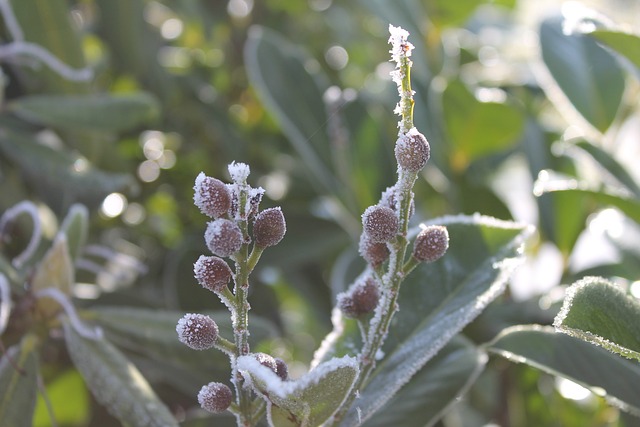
column 380, row 223
column 281, row 369
column 269, row 227
column 215, row 397
column 412, row 151
column 211, row 196
column 431, row 243
column 267, row 360
column 197, row 331
column 212, row 273
column 223, row 237
column 374, row 253
column 361, row 300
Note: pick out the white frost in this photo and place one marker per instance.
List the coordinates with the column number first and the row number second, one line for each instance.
column 400, row 46
column 239, row 172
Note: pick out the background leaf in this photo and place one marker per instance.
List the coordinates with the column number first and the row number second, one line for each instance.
column 116, row 383
column 559, row 354
column 598, row 311
column 587, row 74
column 19, row 389
column 623, row 43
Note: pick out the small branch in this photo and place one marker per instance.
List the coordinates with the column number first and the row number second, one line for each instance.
column 10, row 20
column 70, row 311
column 29, row 208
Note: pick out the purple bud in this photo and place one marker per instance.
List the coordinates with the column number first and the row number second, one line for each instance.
column 380, row 223
column 212, row 273
column 361, row 299
column 211, row 196
column 215, row 397
column 223, row 237
column 281, row 369
column 197, row 331
column 412, row 151
column 269, row 227
column 431, row 243
column 374, row 253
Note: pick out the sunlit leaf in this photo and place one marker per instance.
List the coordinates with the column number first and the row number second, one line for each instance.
column 598, row 311
column 591, row 366
column 624, row 43
column 69, row 400
column 116, row 383
column 18, row 383
column 588, row 74
column 436, row 301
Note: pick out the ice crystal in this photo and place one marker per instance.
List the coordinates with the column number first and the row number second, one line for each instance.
column 239, row 172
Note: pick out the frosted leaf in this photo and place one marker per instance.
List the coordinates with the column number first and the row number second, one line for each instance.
column 215, row 397
column 239, row 172
column 211, row 196
column 223, row 237
column 197, row 331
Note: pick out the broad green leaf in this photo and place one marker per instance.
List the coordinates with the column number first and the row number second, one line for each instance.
column 624, row 43
column 290, row 86
column 305, row 402
column 478, row 128
column 436, row 301
column 54, row 270
column 153, row 334
column 588, row 75
column 434, row 388
column 444, row 13
column 75, row 227
column 48, row 23
column 108, row 113
column 69, row 400
column 611, row 165
column 60, row 177
column 116, row 383
column 19, row 383
column 598, row 311
column 605, row 373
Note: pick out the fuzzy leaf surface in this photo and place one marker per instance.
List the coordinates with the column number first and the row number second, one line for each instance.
column 116, row 383
column 106, row 113
column 588, row 74
column 433, row 389
column 598, row 311
column 18, row 391
column 584, row 363
column 436, row 301
column 308, row 401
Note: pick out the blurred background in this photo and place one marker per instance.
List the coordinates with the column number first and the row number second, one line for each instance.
column 528, row 119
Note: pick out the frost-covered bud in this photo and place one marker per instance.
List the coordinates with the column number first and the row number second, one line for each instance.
column 361, row 300
column 380, row 223
column 431, row 243
column 223, row 237
column 197, row 331
column 211, row 196
column 212, row 273
column 267, row 360
column 215, row 397
column 281, row 369
column 374, row 253
column 412, row 151
column 269, row 227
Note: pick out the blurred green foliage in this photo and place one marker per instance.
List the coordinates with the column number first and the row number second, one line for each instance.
column 531, row 117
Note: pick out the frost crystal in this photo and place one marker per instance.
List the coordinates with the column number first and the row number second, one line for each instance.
column 197, row 331
column 215, row 397
column 239, row 172
column 399, row 44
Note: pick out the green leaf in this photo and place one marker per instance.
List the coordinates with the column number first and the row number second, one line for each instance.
column 19, row 383
column 75, row 227
column 434, row 388
column 598, row 311
column 54, row 270
column 307, row 401
column 69, row 400
column 444, row 13
column 478, row 128
column 108, row 113
column 60, row 177
column 436, row 301
column 558, row 354
column 611, row 165
column 588, row 75
column 624, row 43
column 115, row 382
column 279, row 71
column 153, row 334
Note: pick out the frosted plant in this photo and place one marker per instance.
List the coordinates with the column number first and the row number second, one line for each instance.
column 327, row 392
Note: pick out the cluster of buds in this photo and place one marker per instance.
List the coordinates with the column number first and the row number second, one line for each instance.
column 236, row 225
